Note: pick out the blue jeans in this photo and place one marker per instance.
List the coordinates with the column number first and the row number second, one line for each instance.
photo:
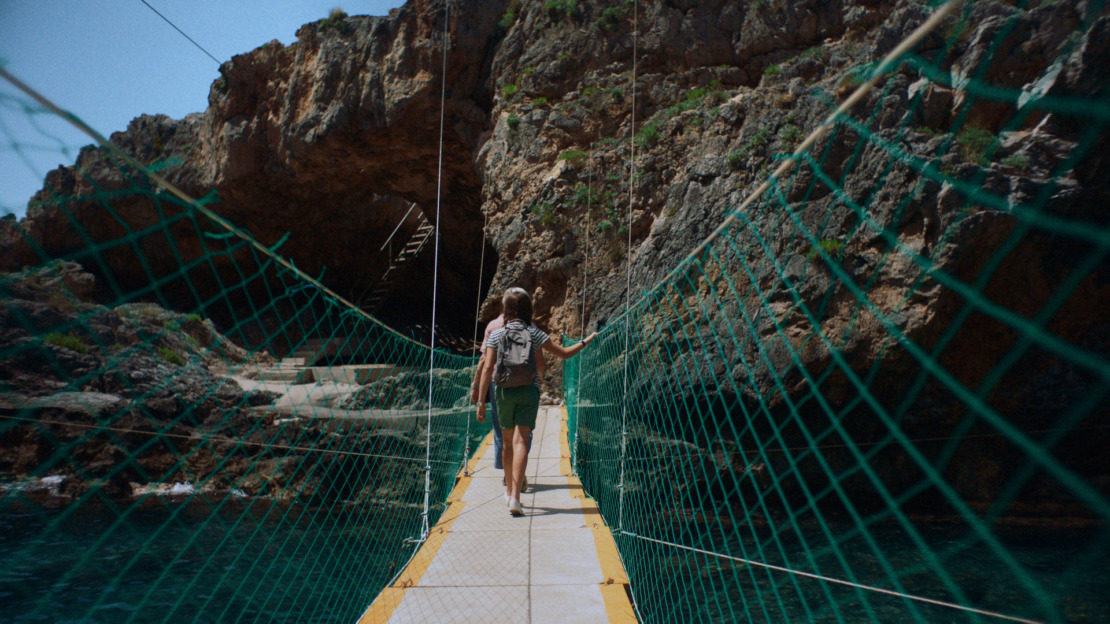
column 498, row 443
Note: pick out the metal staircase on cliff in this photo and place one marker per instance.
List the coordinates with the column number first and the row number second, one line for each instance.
column 373, row 302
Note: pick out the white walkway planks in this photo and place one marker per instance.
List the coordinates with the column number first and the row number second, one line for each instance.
column 557, row 563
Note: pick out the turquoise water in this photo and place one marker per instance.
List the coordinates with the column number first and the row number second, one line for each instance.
column 257, row 561
column 170, row 561
column 1035, row 573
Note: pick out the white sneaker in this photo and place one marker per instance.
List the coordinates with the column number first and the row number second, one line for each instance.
column 514, row 508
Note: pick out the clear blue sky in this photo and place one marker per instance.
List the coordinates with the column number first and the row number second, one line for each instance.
column 109, row 61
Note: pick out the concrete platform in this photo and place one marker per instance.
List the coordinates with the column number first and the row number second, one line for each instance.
column 557, row 563
column 355, row 374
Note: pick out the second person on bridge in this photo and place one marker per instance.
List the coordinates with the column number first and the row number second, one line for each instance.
column 510, row 358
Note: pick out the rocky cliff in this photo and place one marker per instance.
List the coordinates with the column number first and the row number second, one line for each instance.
column 332, row 138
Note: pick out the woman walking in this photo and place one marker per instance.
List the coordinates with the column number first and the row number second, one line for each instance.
column 510, row 359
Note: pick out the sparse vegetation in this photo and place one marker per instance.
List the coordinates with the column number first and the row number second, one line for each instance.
column 772, row 70
column 857, row 75
column 574, row 158
column 545, row 211
column 581, row 195
column 648, row 135
column 758, row 141
column 509, row 89
column 816, row 52
column 609, row 19
column 171, row 356
column 509, row 18
column 1017, row 161
column 540, row 102
column 615, row 252
column 513, row 121
column 790, row 135
column 566, row 9
column 977, row 144
column 832, row 247
column 336, row 20
column 709, row 93
column 67, row 341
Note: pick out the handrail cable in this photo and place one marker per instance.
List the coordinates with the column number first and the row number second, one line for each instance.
column 212, row 438
column 829, row 579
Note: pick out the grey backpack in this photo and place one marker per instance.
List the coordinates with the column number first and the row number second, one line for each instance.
column 516, row 363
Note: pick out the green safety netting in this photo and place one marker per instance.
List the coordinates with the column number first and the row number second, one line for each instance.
column 152, row 469
column 879, row 392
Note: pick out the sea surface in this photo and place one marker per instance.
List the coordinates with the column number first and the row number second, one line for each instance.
column 229, row 560
column 935, row 573
column 244, row 560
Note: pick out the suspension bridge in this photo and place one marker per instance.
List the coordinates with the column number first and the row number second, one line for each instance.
column 558, row 563
column 768, row 434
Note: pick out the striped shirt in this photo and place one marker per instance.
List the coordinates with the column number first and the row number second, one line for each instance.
column 538, row 338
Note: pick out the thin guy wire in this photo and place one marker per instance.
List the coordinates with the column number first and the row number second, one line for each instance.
column 628, row 263
column 582, row 317
column 178, row 193
column 830, row 579
column 435, row 274
column 181, row 31
column 477, row 312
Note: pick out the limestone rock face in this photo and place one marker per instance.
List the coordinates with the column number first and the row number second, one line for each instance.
column 594, row 156
column 329, row 140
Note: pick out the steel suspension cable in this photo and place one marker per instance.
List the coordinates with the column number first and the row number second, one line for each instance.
column 167, row 20
column 474, row 340
column 582, row 316
column 628, row 263
column 435, row 276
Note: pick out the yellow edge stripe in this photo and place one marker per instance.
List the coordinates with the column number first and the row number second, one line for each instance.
column 472, row 465
column 617, row 604
column 390, row 598
column 614, row 591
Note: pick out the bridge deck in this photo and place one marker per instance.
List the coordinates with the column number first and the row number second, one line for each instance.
column 557, row 563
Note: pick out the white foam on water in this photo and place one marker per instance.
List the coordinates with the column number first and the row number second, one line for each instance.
column 181, row 489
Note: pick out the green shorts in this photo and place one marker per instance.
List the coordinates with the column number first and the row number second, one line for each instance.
column 517, row 406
